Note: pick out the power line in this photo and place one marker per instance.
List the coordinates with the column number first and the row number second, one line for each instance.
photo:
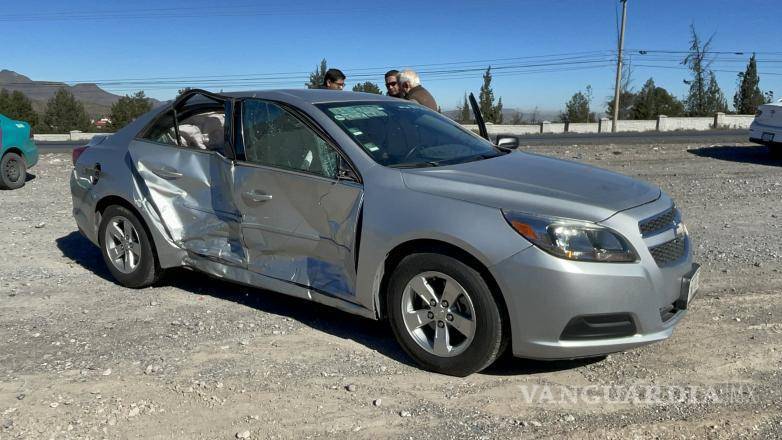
column 715, row 70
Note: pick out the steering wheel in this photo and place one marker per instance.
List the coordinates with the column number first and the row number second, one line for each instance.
column 410, row 153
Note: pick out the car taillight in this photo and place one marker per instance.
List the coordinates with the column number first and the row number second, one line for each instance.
column 76, row 153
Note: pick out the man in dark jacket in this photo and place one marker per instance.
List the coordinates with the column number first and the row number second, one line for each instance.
column 334, row 79
column 414, row 91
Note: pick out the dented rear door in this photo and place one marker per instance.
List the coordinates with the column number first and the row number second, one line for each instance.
column 191, row 191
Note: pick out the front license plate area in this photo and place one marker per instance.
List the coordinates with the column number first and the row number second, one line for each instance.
column 767, row 137
column 690, row 284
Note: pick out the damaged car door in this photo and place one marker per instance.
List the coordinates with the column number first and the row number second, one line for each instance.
column 299, row 205
column 180, row 165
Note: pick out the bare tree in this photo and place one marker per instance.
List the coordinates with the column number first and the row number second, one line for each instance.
column 698, row 61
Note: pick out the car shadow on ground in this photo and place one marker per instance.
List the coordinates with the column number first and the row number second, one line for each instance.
column 376, row 335
column 508, row 365
column 755, row 154
column 76, row 247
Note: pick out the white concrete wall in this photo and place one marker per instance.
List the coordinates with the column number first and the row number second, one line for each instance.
column 583, row 127
column 552, row 127
column 734, row 121
column 635, row 125
column 51, row 137
column 694, row 123
column 72, row 136
column 516, row 130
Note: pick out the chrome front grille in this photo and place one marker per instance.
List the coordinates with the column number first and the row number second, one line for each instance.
column 659, row 223
column 669, row 252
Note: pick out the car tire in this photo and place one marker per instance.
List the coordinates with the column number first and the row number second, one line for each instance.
column 127, row 249
column 13, row 171
column 457, row 338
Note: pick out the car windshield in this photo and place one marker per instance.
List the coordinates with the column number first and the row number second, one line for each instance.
column 407, row 135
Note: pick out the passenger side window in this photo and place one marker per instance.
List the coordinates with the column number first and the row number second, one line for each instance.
column 201, row 125
column 162, row 131
column 274, row 137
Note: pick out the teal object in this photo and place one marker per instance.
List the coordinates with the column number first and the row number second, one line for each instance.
column 15, row 136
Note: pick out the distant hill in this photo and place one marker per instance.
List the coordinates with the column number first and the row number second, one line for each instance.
column 97, row 102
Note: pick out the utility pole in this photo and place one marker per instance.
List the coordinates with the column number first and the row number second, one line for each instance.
column 619, row 66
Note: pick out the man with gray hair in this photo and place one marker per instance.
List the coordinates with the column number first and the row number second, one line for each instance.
column 414, row 91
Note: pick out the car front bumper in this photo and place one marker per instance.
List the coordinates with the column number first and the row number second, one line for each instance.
column 546, row 295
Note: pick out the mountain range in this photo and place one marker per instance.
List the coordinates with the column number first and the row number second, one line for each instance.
column 97, row 102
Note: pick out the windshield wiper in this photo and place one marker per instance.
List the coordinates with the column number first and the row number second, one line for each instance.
column 466, row 159
column 415, row 164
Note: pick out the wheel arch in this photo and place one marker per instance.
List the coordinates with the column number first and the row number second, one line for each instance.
column 16, row 150
column 111, row 200
column 418, row 246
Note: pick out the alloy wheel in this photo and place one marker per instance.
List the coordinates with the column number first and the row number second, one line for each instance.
column 438, row 314
column 122, row 244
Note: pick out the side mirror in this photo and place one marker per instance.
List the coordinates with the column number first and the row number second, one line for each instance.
column 508, row 142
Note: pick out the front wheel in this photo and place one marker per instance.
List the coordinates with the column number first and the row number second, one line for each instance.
column 13, row 171
column 127, row 249
column 444, row 315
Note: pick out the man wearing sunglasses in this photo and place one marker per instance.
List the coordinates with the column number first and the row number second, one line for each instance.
column 392, row 84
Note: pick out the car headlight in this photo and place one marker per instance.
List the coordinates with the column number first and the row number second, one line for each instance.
column 572, row 239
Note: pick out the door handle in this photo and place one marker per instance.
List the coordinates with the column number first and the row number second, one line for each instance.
column 258, row 196
column 167, row 173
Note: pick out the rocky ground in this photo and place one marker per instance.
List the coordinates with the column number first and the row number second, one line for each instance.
column 81, row 357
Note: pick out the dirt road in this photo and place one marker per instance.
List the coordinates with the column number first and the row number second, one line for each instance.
column 81, row 357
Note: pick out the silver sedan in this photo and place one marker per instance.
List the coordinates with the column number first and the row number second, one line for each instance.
column 385, row 209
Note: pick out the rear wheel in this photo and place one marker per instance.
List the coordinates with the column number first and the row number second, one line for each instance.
column 13, row 171
column 444, row 315
column 127, row 249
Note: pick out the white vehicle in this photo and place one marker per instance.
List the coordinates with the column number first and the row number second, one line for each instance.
column 766, row 129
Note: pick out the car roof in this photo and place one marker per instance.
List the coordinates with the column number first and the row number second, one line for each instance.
column 312, row 96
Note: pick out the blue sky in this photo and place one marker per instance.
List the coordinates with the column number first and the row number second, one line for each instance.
column 546, row 50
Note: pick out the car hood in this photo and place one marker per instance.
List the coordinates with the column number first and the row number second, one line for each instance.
column 535, row 184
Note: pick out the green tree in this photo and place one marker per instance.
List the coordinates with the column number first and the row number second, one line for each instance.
column 64, row 113
column 748, row 95
column 465, row 112
column 17, row 106
column 715, row 99
column 317, row 77
column 490, row 111
column 367, row 87
column 128, row 108
column 652, row 101
column 577, row 108
column 698, row 102
column 626, row 100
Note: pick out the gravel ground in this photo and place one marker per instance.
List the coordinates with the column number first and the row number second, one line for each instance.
column 81, row 357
